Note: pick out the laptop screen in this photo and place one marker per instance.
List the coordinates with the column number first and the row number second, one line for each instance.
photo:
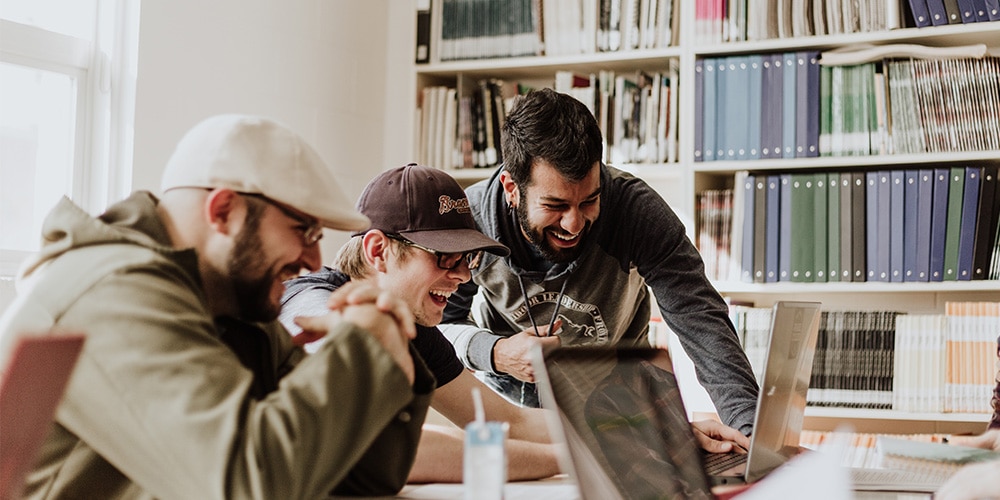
column 624, row 423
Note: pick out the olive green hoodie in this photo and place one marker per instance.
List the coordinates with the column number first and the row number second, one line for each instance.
column 159, row 407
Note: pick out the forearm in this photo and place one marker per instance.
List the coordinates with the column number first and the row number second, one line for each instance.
column 440, row 453
column 473, row 345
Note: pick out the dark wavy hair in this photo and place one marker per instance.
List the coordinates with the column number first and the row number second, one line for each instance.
column 556, row 127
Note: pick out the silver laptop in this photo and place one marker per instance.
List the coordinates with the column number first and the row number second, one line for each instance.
column 623, row 421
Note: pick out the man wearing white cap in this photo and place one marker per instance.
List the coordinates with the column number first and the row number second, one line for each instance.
column 188, row 387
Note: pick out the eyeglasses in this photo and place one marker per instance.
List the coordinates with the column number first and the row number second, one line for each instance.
column 448, row 261
column 312, row 231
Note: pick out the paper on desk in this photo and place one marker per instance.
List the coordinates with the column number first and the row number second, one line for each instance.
column 817, row 472
column 564, row 490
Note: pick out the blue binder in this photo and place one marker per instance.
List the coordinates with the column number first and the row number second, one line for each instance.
column 967, row 232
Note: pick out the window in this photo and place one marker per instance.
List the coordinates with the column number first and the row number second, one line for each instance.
column 67, row 85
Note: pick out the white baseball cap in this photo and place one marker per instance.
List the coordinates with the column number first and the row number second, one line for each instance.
column 256, row 155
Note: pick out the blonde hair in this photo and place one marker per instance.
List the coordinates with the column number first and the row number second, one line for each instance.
column 351, row 259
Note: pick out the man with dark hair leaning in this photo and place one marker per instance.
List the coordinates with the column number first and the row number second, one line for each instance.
column 187, row 386
column 587, row 243
column 421, row 246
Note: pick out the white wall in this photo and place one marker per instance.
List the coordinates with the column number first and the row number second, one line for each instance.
column 320, row 66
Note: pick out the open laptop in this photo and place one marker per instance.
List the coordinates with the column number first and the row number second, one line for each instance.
column 623, row 421
column 31, row 387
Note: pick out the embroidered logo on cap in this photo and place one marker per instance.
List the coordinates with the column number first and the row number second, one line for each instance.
column 447, row 204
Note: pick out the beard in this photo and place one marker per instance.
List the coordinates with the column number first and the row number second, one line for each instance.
column 253, row 293
column 536, row 235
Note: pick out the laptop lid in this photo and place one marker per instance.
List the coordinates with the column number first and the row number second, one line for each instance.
column 621, row 417
column 781, row 403
column 31, row 386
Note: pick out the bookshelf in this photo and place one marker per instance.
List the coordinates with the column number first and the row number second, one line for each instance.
column 681, row 181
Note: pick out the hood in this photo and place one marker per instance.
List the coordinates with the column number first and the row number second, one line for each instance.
column 131, row 221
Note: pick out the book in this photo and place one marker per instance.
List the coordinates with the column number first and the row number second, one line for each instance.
column 986, row 223
column 785, row 229
column 772, row 228
column 858, row 227
column 939, row 223
column 967, row 228
column 921, row 17
column 939, row 453
column 897, row 200
column 925, row 201
column 819, row 228
column 847, row 224
column 956, row 189
column 423, row 45
column 833, row 226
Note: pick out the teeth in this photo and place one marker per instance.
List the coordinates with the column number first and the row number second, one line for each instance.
column 441, row 294
column 564, row 237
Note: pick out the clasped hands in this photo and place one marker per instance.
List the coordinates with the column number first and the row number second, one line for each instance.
column 383, row 315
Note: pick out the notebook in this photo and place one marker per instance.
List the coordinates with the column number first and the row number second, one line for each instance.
column 31, row 386
column 623, row 421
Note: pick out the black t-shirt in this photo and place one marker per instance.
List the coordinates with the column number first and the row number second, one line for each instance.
column 438, row 354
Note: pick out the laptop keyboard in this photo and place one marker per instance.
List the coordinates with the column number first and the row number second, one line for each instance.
column 718, row 462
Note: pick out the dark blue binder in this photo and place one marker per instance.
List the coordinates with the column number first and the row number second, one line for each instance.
column 986, row 225
column 925, row 202
column 882, row 268
column 785, row 230
column 755, row 75
column 921, row 17
column 937, row 12
column 897, row 200
column 967, row 232
column 993, row 10
column 939, row 223
column 772, row 228
column 746, row 259
column 967, row 11
column 981, row 10
column 699, row 109
column 772, row 101
column 911, row 194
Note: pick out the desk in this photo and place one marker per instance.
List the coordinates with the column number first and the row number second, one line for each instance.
column 559, row 487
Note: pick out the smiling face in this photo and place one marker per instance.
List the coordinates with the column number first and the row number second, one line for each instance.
column 413, row 275
column 556, row 214
column 268, row 250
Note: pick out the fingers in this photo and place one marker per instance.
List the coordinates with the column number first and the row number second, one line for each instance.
column 357, row 293
column 714, row 435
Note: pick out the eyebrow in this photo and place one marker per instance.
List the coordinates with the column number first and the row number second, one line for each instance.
column 552, row 199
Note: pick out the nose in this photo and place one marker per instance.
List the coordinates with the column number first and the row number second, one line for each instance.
column 461, row 271
column 573, row 221
column 311, row 258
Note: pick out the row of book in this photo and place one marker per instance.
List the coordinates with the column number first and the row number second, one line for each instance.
column 449, row 30
column 926, row 224
column 790, row 105
column 718, row 21
column 888, row 360
column 637, row 114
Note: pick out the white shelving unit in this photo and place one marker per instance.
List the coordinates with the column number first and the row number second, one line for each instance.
column 679, row 183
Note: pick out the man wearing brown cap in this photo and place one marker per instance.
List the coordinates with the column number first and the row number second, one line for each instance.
column 421, row 246
column 187, row 386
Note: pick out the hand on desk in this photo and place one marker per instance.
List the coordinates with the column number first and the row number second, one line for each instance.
column 512, row 355
column 715, row 437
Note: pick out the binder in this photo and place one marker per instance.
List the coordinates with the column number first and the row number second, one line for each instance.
column 925, row 201
column 772, row 83
column 967, row 231
column 785, row 233
column 748, row 248
column 807, row 104
column 884, row 226
column 986, row 225
column 981, row 9
column 954, row 11
column 759, row 227
column 858, row 227
column 802, row 232
column 833, row 226
column 939, row 223
column 937, row 12
column 699, row 109
column 911, row 192
column 847, row 224
column 709, row 105
column 921, row 17
column 788, row 110
column 820, row 200
column 423, row 47
column 871, row 225
column 967, row 11
column 993, row 10
column 772, row 228
column 897, row 190
column 755, row 76
column 956, row 188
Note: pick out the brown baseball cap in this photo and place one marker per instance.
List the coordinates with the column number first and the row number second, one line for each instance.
column 426, row 206
column 252, row 154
